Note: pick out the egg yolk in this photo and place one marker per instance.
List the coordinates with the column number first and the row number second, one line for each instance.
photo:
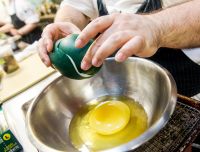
column 109, row 117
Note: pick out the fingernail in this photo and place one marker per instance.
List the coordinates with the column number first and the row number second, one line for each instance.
column 48, row 49
column 96, row 62
column 49, row 43
column 78, row 43
column 120, row 57
column 85, row 65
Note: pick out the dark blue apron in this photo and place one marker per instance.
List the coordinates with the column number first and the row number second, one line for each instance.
column 30, row 37
column 185, row 72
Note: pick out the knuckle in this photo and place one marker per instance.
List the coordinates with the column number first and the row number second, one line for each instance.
column 116, row 14
column 100, row 55
column 141, row 41
column 49, row 26
column 47, row 29
column 125, row 23
column 125, row 17
column 97, row 22
column 116, row 38
column 88, row 55
column 96, row 44
column 87, row 58
column 41, row 43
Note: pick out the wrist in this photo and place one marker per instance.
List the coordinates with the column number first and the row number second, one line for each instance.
column 156, row 27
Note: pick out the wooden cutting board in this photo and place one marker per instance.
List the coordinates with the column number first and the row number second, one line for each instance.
column 31, row 71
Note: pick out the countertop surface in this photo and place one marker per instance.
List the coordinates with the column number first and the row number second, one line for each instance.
column 31, row 71
column 15, row 115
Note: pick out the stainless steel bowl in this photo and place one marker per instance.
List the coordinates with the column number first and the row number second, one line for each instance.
column 49, row 115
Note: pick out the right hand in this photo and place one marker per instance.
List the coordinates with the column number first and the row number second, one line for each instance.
column 51, row 33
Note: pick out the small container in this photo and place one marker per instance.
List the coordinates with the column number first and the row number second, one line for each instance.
column 8, row 141
column 6, row 55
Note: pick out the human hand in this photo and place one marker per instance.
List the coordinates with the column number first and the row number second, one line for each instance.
column 130, row 34
column 51, row 33
column 14, row 32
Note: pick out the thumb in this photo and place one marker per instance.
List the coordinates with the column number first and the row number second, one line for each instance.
column 49, row 45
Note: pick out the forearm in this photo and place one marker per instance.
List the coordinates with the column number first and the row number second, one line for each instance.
column 6, row 28
column 27, row 28
column 179, row 27
column 69, row 14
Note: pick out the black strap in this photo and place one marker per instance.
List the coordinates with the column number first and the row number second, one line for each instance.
column 16, row 21
column 149, row 6
column 102, row 8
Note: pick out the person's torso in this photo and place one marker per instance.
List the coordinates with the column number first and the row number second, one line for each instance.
column 23, row 9
column 23, row 13
column 4, row 17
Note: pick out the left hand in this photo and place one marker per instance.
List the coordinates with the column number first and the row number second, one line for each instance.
column 130, row 34
column 14, row 32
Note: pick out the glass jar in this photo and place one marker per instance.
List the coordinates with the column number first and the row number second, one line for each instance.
column 7, row 56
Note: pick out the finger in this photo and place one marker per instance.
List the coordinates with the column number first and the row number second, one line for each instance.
column 43, row 53
column 133, row 47
column 109, row 46
column 92, row 29
column 49, row 45
column 86, row 61
column 49, row 32
column 64, row 28
column 48, row 37
column 85, row 64
column 53, row 32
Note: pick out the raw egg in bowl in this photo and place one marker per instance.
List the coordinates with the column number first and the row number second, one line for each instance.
column 118, row 109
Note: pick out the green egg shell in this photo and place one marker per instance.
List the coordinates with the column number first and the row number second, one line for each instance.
column 66, row 58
